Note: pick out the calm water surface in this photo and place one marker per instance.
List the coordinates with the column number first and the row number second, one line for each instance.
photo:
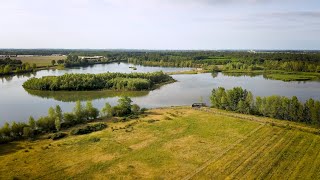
column 18, row 104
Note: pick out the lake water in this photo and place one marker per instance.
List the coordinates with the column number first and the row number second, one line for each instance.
column 18, row 104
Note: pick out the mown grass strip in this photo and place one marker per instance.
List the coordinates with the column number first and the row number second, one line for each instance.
column 253, row 159
column 234, row 159
column 267, row 170
column 213, row 159
column 265, row 161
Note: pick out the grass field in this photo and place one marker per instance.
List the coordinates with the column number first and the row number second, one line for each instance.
column 41, row 60
column 172, row 143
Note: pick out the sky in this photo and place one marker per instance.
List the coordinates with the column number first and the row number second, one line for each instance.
column 160, row 24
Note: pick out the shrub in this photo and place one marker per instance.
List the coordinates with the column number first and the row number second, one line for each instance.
column 94, row 139
column 58, row 135
column 88, row 129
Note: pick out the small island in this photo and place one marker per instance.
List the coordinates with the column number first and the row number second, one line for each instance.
column 110, row 81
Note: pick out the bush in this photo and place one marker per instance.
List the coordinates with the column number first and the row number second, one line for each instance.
column 58, row 135
column 5, row 139
column 89, row 129
column 94, row 139
column 143, row 110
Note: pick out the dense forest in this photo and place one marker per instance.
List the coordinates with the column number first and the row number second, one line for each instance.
column 114, row 81
column 11, row 66
column 278, row 107
column 56, row 120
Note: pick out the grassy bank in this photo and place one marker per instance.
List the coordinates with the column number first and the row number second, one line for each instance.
column 172, row 143
column 193, row 71
column 293, row 76
column 279, row 75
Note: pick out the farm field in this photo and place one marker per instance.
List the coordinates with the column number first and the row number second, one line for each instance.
column 41, row 60
column 173, row 143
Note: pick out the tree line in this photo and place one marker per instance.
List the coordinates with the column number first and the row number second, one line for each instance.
column 114, row 81
column 75, row 61
column 56, row 120
column 278, row 107
column 307, row 61
column 11, row 66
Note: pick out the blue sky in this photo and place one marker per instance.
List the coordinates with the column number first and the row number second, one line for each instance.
column 160, row 24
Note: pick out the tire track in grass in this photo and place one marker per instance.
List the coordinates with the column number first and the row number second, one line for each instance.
column 295, row 171
column 292, row 156
column 247, row 151
column 214, row 158
column 277, row 159
column 261, row 162
column 245, row 165
column 221, row 162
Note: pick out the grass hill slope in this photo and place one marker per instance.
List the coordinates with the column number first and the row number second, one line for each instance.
column 172, row 143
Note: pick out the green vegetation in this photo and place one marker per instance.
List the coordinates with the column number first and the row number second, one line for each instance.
column 57, row 120
column 179, row 143
column 114, row 81
column 227, row 61
column 74, row 61
column 88, row 129
column 9, row 66
column 293, row 76
column 242, row 101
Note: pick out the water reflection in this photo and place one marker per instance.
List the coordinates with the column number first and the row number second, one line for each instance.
column 69, row 96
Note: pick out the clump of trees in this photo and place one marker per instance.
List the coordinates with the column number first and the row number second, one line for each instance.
column 56, row 120
column 124, row 108
column 279, row 107
column 74, row 61
column 239, row 66
column 11, row 66
column 114, row 81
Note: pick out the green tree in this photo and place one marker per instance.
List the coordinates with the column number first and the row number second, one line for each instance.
column 53, row 62
column 58, row 112
column 78, row 111
column 135, row 109
column 107, row 110
column 17, row 129
column 28, row 132
column 69, row 119
column 7, row 69
column 6, row 130
column 57, row 123
column 51, row 113
column 125, row 104
column 296, row 111
column 32, row 123
column 92, row 113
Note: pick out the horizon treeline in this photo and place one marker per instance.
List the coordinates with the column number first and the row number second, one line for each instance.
column 113, row 81
column 278, row 107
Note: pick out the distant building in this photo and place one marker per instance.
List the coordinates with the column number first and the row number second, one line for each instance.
column 26, row 55
column 7, row 56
